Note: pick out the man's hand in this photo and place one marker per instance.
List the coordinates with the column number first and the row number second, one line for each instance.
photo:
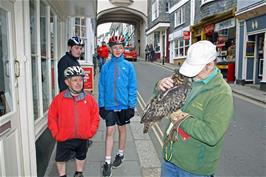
column 165, row 83
column 177, row 116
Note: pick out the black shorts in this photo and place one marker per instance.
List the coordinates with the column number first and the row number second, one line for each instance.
column 116, row 117
column 66, row 148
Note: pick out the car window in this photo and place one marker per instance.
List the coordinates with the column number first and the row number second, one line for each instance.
column 129, row 49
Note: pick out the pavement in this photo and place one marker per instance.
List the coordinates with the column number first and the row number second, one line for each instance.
column 141, row 159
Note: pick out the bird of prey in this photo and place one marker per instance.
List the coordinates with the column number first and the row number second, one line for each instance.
column 166, row 102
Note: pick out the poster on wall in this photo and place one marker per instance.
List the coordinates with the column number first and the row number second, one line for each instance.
column 89, row 78
column 250, row 49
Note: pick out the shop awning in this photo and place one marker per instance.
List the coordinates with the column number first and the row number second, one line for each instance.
column 158, row 27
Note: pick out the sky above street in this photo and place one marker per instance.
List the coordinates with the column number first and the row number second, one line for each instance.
column 103, row 28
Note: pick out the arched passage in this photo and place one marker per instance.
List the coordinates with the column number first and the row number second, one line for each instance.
column 130, row 16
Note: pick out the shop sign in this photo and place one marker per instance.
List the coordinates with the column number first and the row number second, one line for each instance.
column 229, row 23
column 88, row 79
column 186, row 35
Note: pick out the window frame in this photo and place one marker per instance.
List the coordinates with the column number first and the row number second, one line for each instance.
column 179, row 16
column 178, row 47
column 155, row 10
column 40, row 119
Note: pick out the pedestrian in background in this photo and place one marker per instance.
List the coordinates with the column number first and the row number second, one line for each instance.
column 147, row 52
column 193, row 146
column 73, row 118
column 102, row 54
column 151, row 52
column 117, row 100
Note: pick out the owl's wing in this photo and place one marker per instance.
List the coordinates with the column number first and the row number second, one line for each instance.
column 164, row 104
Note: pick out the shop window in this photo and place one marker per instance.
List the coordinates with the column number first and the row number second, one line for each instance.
column 179, row 16
column 34, row 62
column 156, row 41
column 80, row 27
column 6, row 101
column 261, row 60
column 53, row 63
column 181, row 47
column 250, row 49
column 167, row 6
column 224, row 38
column 44, row 57
column 261, row 54
column 80, row 30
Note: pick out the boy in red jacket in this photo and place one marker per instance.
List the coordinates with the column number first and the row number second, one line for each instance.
column 73, row 118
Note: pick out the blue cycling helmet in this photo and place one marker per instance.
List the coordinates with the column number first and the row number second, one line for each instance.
column 75, row 41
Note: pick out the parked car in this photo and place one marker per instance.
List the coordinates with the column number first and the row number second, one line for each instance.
column 130, row 54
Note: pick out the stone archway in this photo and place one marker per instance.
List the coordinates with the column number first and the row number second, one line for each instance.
column 127, row 15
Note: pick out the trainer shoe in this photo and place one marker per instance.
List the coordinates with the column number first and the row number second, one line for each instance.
column 118, row 161
column 107, row 170
column 78, row 174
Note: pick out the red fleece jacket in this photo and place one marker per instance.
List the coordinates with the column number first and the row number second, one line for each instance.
column 70, row 117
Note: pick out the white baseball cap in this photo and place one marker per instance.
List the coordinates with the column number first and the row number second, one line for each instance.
column 199, row 54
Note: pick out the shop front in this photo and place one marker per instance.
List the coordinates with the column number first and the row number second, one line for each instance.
column 180, row 41
column 220, row 32
column 252, row 53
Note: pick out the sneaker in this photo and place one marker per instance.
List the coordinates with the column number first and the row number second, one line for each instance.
column 118, row 161
column 78, row 175
column 107, row 170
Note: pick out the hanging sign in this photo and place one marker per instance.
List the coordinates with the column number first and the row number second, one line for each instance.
column 208, row 30
column 186, row 35
column 89, row 78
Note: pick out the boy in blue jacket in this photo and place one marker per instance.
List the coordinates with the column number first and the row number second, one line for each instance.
column 117, row 100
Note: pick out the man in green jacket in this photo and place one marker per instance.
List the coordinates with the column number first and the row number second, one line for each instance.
column 193, row 141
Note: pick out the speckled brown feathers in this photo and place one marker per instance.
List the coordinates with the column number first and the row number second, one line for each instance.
column 167, row 101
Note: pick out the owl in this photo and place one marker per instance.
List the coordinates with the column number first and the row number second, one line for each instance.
column 166, row 102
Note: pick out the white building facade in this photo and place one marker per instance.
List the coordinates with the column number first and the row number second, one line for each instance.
column 33, row 37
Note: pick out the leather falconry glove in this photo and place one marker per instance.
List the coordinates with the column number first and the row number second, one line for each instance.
column 178, row 115
column 176, row 119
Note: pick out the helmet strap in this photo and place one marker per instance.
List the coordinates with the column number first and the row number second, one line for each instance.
column 74, row 91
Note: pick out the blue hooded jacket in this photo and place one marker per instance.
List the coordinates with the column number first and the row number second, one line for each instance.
column 117, row 85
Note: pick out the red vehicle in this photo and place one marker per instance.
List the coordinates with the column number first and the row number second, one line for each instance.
column 130, row 54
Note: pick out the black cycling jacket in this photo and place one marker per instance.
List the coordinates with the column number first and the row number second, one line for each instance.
column 66, row 61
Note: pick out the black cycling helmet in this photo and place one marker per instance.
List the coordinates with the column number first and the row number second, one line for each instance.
column 73, row 71
column 75, row 41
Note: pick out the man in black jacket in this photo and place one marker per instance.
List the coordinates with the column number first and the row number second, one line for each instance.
column 75, row 45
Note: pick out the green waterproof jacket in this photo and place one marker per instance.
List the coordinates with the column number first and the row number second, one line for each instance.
column 211, row 108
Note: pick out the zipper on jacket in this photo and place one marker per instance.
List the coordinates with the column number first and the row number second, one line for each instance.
column 115, row 65
column 75, row 117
